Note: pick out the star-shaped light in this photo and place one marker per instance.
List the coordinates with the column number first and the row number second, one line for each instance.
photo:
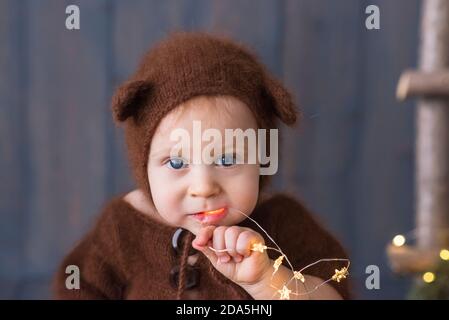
column 259, row 247
column 285, row 293
column 277, row 264
column 299, row 276
column 340, row 274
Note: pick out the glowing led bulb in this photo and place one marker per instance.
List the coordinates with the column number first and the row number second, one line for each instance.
column 444, row 254
column 285, row 293
column 277, row 264
column 428, row 277
column 259, row 247
column 399, row 240
column 299, row 276
column 340, row 274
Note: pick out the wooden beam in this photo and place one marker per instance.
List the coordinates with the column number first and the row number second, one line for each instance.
column 409, row 259
column 425, row 84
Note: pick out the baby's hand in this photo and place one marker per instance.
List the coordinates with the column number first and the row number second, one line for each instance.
column 236, row 261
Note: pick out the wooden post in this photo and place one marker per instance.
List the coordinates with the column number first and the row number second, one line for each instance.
column 432, row 142
column 432, row 123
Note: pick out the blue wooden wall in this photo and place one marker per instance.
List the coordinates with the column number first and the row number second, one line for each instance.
column 61, row 157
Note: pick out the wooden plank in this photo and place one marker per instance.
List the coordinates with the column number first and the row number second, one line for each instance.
column 322, row 63
column 67, row 112
column 383, row 174
column 13, row 145
column 258, row 24
column 321, row 66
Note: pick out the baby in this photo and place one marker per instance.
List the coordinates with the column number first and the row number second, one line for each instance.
column 184, row 233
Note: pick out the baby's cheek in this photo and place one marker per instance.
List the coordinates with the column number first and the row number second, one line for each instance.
column 169, row 208
column 165, row 199
column 244, row 191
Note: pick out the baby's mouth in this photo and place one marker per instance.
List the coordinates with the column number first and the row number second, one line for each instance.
column 211, row 215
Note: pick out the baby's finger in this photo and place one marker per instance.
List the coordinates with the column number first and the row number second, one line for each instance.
column 245, row 240
column 203, row 237
column 231, row 235
column 219, row 244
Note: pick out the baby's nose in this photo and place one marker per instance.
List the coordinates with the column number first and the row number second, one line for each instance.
column 203, row 183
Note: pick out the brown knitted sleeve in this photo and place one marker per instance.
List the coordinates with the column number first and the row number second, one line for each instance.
column 304, row 240
column 98, row 258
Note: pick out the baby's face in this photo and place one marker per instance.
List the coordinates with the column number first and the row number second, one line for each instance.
column 183, row 189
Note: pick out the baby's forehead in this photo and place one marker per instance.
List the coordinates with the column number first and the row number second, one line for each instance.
column 214, row 112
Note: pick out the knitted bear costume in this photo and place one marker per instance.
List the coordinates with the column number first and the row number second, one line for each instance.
column 129, row 254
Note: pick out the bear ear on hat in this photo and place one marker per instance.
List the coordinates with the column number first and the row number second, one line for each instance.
column 281, row 100
column 129, row 98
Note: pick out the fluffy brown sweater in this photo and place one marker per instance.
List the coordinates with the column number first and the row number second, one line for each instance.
column 129, row 255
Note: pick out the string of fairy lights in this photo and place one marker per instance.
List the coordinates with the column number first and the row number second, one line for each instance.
column 400, row 240
column 297, row 275
column 284, row 293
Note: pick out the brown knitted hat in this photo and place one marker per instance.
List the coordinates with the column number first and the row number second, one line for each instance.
column 186, row 65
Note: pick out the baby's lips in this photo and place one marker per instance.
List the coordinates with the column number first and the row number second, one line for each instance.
column 213, row 212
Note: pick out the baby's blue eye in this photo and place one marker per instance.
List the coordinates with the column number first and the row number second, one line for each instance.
column 226, row 160
column 176, row 163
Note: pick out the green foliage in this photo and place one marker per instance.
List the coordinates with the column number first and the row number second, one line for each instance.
column 436, row 290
